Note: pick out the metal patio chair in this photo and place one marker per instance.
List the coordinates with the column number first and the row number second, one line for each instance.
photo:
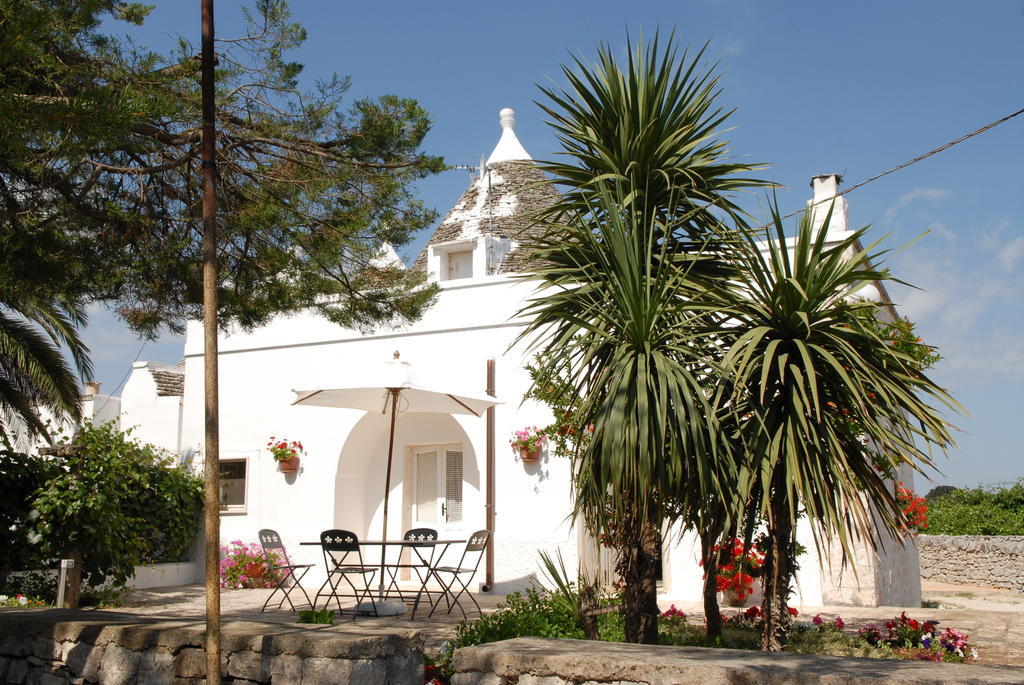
column 417, row 537
column 275, row 553
column 462, row 574
column 343, row 559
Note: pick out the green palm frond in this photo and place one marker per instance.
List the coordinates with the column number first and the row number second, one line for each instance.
column 822, row 395
column 652, row 125
column 612, row 318
column 34, row 373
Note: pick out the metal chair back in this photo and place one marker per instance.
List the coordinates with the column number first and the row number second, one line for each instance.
column 271, row 543
column 420, row 535
column 282, row 567
column 476, row 544
column 338, row 545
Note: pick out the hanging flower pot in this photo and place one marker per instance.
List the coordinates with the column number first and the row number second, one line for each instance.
column 530, row 456
column 289, row 465
column 285, row 453
column 528, row 443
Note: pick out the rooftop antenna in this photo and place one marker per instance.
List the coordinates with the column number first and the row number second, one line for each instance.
column 475, row 171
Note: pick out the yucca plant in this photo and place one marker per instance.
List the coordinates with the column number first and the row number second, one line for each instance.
column 826, row 406
column 645, row 182
column 34, row 373
column 612, row 319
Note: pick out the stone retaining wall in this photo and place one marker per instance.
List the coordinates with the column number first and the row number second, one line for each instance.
column 986, row 560
column 53, row 647
column 535, row 661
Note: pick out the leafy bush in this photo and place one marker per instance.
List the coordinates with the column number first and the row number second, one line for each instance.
column 120, row 502
column 21, row 475
column 978, row 511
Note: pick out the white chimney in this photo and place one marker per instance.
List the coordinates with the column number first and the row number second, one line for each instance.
column 825, row 188
column 92, row 388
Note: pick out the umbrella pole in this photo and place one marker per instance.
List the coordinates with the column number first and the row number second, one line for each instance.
column 387, row 488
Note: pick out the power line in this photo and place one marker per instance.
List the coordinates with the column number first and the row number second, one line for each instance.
column 906, row 164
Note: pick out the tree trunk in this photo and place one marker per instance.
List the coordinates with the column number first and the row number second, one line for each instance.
column 588, row 608
column 638, row 566
column 778, row 574
column 712, row 612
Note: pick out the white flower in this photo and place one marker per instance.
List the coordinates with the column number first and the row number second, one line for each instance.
column 4, row 599
column 974, row 653
column 22, row 600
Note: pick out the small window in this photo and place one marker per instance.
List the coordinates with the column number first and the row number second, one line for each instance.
column 460, row 265
column 232, row 485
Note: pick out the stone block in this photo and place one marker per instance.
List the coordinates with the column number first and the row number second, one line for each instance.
column 156, row 667
column 52, row 679
column 17, row 671
column 530, row 679
column 405, row 668
column 190, row 663
column 84, row 659
column 47, row 648
column 477, row 679
column 247, row 665
column 323, row 670
column 118, row 665
column 286, row 669
column 13, row 646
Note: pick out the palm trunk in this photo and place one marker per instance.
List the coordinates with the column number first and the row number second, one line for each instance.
column 712, row 612
column 638, row 566
column 778, row 574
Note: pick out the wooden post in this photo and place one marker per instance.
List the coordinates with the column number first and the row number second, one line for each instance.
column 72, row 589
column 211, row 468
column 489, row 506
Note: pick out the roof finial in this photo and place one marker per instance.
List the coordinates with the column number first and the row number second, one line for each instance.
column 508, row 148
column 508, row 117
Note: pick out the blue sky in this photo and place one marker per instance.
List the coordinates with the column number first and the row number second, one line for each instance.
column 853, row 88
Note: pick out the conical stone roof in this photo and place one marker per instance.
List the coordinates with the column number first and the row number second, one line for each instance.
column 502, row 202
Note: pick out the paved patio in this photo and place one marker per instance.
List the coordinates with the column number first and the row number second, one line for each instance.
column 993, row 618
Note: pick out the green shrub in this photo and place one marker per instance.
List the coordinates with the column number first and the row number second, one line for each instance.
column 21, row 475
column 122, row 503
column 533, row 613
column 978, row 511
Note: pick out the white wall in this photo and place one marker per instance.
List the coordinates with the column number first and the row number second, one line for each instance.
column 154, row 419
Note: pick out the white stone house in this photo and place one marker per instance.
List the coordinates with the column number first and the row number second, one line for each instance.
column 440, row 461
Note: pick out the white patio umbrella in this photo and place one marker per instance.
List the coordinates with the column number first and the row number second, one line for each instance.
column 393, row 388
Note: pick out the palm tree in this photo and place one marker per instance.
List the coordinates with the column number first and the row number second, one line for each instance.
column 611, row 320
column 827, row 407
column 34, row 373
column 630, row 244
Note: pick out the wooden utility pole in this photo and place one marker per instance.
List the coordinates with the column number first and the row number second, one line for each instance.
column 211, row 469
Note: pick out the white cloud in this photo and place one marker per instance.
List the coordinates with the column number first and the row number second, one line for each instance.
column 968, row 307
column 1011, row 252
column 940, row 229
column 930, row 194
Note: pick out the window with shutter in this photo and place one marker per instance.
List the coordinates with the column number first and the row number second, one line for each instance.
column 453, row 486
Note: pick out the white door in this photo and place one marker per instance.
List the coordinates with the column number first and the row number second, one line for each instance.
column 437, row 487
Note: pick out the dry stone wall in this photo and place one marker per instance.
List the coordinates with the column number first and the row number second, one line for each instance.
column 985, row 560
column 536, row 661
column 53, row 647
